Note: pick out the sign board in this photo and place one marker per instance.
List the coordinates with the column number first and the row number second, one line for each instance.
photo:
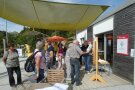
column 132, row 52
column 19, row 52
column 122, row 44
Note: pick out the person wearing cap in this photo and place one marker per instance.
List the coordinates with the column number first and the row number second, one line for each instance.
column 74, row 53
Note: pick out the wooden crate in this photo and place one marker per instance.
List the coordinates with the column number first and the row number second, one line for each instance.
column 55, row 76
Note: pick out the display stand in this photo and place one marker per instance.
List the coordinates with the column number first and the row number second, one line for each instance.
column 96, row 77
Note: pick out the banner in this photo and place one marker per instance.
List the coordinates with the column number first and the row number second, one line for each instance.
column 122, row 44
column 19, row 52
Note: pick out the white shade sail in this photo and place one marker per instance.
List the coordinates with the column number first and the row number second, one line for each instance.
column 50, row 15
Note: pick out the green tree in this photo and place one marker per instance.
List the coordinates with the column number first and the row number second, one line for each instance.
column 23, row 38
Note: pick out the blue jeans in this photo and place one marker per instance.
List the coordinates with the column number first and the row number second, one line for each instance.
column 41, row 75
column 87, row 60
column 75, row 70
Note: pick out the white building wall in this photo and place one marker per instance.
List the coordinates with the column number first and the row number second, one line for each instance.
column 82, row 34
column 103, row 26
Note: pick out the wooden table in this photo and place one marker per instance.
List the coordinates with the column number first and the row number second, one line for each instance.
column 103, row 63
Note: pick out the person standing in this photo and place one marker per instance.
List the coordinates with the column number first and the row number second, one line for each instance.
column 67, row 62
column 51, row 51
column 74, row 55
column 60, row 55
column 11, row 60
column 39, row 60
column 86, row 56
column 89, row 52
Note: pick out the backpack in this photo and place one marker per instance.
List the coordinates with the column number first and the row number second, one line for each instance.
column 29, row 65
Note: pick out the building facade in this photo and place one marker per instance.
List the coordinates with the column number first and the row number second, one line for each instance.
column 124, row 23
column 116, row 36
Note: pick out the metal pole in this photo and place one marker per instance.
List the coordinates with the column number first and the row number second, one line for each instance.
column 4, row 45
column 6, row 21
column 134, row 62
column 105, row 47
column 6, row 33
column 55, row 32
column 75, row 34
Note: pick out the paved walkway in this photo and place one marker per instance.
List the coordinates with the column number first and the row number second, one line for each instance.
column 119, row 87
column 3, row 70
column 4, row 82
column 113, row 82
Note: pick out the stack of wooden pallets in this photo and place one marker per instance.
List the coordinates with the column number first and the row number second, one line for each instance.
column 55, row 76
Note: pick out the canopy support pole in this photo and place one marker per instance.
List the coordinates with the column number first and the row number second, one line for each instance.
column 96, row 77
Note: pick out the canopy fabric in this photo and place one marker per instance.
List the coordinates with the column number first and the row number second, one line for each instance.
column 50, row 15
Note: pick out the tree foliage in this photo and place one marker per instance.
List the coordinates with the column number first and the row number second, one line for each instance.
column 2, row 36
column 23, row 38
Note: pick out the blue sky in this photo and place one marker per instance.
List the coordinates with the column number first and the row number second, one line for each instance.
column 11, row 27
column 113, row 3
column 99, row 2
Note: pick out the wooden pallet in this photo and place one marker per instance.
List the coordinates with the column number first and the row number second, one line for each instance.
column 55, row 76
